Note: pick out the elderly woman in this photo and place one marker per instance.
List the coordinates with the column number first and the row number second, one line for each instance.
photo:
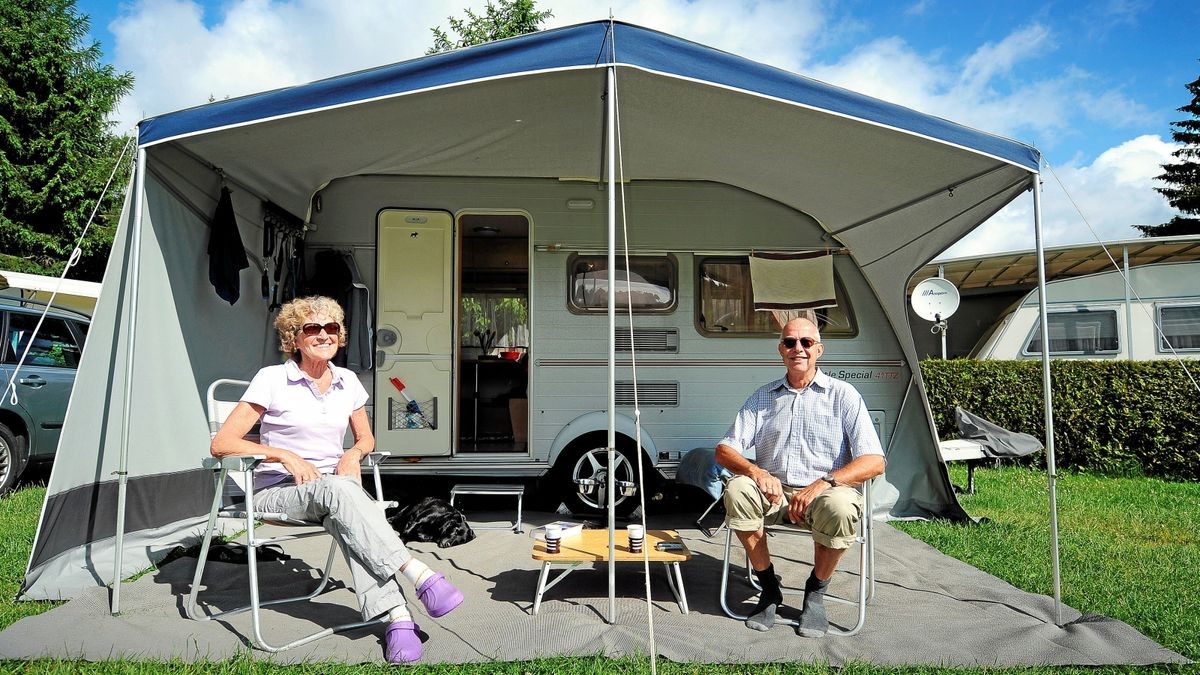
column 305, row 405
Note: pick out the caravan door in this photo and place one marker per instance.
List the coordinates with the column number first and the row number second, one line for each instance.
column 414, row 332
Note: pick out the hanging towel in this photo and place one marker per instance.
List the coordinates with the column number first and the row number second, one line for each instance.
column 792, row 280
column 226, row 255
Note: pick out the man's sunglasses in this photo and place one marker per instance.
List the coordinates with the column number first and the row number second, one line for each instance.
column 806, row 342
column 311, row 329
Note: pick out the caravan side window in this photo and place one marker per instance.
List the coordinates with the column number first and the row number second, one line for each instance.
column 1180, row 328
column 1080, row 332
column 725, row 303
column 652, row 283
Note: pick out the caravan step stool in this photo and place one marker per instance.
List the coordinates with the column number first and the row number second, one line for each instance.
column 492, row 489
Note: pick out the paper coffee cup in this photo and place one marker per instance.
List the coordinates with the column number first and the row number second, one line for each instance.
column 553, row 538
column 637, row 537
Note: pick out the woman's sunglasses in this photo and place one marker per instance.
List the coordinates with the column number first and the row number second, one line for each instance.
column 311, row 329
column 806, row 342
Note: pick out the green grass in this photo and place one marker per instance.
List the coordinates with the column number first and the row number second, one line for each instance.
column 1129, row 550
column 1129, row 547
column 18, row 521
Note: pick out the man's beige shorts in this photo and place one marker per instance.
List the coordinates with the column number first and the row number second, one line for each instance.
column 832, row 517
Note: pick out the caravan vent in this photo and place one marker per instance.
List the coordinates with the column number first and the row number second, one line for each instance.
column 651, row 394
column 649, row 339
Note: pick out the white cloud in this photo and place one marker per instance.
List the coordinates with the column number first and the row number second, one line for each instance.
column 181, row 57
column 1113, row 193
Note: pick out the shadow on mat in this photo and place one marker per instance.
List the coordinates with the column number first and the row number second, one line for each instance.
column 227, row 586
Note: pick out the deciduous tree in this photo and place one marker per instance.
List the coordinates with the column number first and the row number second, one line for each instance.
column 57, row 147
column 506, row 18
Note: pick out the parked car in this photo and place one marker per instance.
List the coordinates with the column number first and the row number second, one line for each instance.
column 30, row 425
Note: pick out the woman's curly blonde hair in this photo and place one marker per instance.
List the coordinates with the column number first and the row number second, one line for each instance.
column 295, row 314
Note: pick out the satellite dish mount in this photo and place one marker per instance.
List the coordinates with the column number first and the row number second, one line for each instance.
column 935, row 299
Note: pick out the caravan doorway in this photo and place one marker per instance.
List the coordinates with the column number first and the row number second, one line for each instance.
column 493, row 335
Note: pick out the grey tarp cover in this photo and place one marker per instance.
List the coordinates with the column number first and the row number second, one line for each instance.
column 995, row 440
column 928, row 609
column 891, row 186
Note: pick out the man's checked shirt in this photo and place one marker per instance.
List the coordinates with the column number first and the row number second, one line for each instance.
column 799, row 435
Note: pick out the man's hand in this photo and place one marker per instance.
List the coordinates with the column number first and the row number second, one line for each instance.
column 301, row 469
column 771, row 486
column 802, row 498
column 350, row 464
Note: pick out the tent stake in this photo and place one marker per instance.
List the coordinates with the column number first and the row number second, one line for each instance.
column 1051, row 471
column 127, row 394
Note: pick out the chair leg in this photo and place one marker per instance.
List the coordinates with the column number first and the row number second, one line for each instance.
column 866, row 582
column 256, row 605
column 205, row 543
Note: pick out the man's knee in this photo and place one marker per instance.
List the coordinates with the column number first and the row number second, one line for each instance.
column 744, row 504
column 835, row 514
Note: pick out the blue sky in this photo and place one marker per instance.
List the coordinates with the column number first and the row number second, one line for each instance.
column 1094, row 84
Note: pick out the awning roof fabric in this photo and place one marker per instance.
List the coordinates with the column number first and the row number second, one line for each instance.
column 1015, row 270
column 582, row 46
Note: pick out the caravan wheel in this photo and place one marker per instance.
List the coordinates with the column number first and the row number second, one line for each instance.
column 589, row 461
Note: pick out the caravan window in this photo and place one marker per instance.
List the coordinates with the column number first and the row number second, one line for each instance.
column 652, row 283
column 1081, row 332
column 725, row 303
column 1180, row 327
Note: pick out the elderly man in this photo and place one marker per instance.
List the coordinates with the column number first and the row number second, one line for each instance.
column 813, row 442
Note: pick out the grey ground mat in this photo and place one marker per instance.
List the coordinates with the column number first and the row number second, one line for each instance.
column 928, row 609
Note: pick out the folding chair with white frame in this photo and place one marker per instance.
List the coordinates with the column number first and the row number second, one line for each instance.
column 866, row 568
column 223, row 507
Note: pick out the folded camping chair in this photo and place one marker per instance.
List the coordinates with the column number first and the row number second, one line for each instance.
column 866, row 568
column 699, row 468
column 231, row 506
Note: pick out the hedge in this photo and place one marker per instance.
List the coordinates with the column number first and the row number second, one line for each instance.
column 1110, row 417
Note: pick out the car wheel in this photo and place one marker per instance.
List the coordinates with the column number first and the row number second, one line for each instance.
column 12, row 458
column 587, row 459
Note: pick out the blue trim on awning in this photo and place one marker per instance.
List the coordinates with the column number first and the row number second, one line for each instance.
column 573, row 47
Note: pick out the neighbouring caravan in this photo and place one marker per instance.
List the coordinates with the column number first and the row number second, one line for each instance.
column 1094, row 317
column 997, row 311
column 474, row 191
column 71, row 293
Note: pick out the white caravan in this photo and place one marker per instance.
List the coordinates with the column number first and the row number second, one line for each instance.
column 445, row 258
column 1096, row 317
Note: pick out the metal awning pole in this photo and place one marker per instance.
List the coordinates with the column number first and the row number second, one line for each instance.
column 135, row 255
column 611, row 151
column 1128, row 304
column 942, row 275
column 1051, row 470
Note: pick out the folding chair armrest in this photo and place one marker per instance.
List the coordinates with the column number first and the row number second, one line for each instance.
column 233, row 462
column 373, row 459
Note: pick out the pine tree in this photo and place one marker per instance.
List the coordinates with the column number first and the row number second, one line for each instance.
column 57, row 148
column 508, row 19
column 1183, row 175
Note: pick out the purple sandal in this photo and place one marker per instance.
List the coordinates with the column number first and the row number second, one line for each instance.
column 402, row 644
column 439, row 596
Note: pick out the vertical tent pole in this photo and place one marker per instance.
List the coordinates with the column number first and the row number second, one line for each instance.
column 611, row 151
column 135, row 255
column 1051, row 470
column 1128, row 305
column 942, row 275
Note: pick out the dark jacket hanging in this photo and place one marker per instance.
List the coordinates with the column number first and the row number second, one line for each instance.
column 226, row 255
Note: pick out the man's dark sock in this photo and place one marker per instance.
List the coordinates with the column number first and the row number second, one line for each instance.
column 813, row 620
column 763, row 615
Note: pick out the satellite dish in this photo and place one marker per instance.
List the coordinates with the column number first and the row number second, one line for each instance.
column 935, row 299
